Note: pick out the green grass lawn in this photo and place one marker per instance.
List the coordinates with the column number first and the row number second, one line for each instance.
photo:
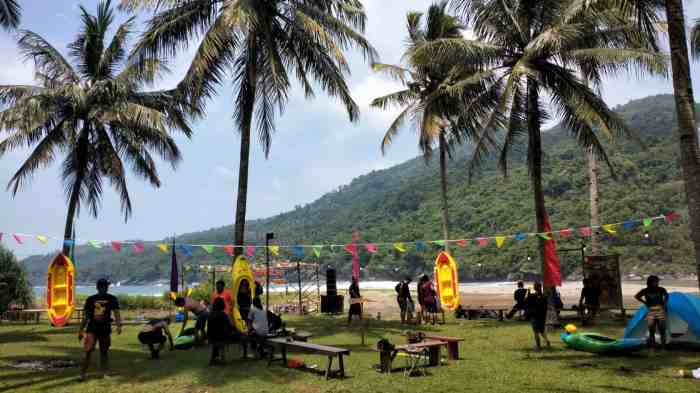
column 496, row 357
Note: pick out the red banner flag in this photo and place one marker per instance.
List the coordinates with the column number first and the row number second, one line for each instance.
column 138, row 248
column 585, row 231
column 671, row 217
column 566, row 233
column 483, row 241
column 229, row 250
column 250, row 251
column 18, row 238
column 371, row 248
column 117, row 246
column 552, row 267
column 461, row 243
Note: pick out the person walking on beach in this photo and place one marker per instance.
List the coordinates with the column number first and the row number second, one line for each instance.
column 519, row 296
column 96, row 326
column 537, row 305
column 355, row 300
column 655, row 298
column 403, row 297
column 154, row 334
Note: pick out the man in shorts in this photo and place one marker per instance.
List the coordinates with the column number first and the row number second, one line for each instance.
column 200, row 312
column 96, row 326
column 154, row 335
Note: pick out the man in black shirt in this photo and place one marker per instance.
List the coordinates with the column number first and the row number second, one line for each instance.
column 537, row 311
column 589, row 303
column 403, row 297
column 355, row 300
column 519, row 296
column 97, row 317
column 655, row 298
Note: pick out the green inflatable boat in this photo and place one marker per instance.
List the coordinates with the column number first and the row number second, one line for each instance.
column 596, row 343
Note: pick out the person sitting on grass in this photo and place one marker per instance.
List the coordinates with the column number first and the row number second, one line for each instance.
column 519, row 296
column 537, row 312
column 201, row 313
column 154, row 335
column 220, row 330
column 589, row 303
column 97, row 317
column 258, row 326
column 655, row 298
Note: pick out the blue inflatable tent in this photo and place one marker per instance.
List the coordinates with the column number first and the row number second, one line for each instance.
column 682, row 321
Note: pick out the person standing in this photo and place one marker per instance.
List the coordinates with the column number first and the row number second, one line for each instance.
column 519, row 296
column 96, row 326
column 355, row 300
column 537, row 305
column 220, row 330
column 589, row 303
column 429, row 296
column 403, row 297
column 155, row 333
column 221, row 292
column 655, row 298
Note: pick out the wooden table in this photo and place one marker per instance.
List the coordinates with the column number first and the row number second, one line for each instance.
column 433, row 347
column 452, row 344
column 285, row 344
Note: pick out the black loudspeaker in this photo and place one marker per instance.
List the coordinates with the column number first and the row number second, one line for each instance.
column 332, row 304
column 331, row 287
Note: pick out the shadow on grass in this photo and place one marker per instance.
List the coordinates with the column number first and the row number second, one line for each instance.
column 22, row 336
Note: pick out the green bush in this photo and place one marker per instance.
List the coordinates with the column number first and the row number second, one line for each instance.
column 14, row 286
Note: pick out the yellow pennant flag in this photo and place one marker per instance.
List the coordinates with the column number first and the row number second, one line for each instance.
column 400, row 247
column 163, row 247
column 610, row 228
column 43, row 239
column 500, row 240
column 275, row 250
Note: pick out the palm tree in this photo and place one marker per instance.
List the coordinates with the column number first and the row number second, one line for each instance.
column 552, row 48
column 439, row 115
column 9, row 14
column 263, row 45
column 94, row 110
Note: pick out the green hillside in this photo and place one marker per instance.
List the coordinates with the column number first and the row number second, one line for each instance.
column 402, row 204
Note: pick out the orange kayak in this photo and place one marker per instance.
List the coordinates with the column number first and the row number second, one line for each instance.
column 59, row 290
column 446, row 279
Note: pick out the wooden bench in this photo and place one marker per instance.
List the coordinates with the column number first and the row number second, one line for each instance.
column 452, row 344
column 285, row 344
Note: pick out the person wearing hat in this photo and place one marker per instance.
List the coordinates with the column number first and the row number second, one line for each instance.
column 96, row 326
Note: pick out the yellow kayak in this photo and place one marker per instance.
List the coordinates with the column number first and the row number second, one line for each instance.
column 446, row 279
column 241, row 274
column 59, row 290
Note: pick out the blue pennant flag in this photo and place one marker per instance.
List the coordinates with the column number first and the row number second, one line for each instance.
column 298, row 250
column 69, row 243
column 186, row 249
column 629, row 224
column 420, row 246
column 520, row 236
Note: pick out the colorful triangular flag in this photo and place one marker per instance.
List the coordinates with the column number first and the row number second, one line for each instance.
column 117, row 246
column 298, row 250
column 566, row 233
column 139, row 247
column 275, row 250
column 43, row 239
column 610, row 228
column 648, row 222
column 186, row 249
column 163, row 247
column 18, row 238
column 483, row 241
column 585, row 231
column 520, row 236
column 68, row 243
column 545, row 235
column 628, row 224
column 400, row 247
column 371, row 248
column 317, row 251
column 95, row 243
column 439, row 243
column 462, row 243
column 228, row 249
column 420, row 246
column 500, row 240
column 208, row 248
column 671, row 217
column 250, row 251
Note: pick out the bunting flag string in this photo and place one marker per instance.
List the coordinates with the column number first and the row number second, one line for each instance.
column 372, row 248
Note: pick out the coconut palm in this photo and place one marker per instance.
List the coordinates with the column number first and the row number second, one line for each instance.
column 440, row 117
column 548, row 48
column 262, row 45
column 9, row 14
column 92, row 107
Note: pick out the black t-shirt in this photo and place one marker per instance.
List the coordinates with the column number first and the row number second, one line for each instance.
column 219, row 327
column 520, row 295
column 653, row 296
column 98, row 311
column 537, row 306
column 404, row 291
column 591, row 296
column 354, row 291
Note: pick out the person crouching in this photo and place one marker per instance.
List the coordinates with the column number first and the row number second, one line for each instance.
column 154, row 334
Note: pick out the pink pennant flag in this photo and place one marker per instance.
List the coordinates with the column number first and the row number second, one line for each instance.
column 483, row 241
column 250, row 251
column 117, row 246
column 351, row 248
column 671, row 217
column 371, row 248
column 585, row 231
column 565, row 233
column 138, row 248
column 18, row 238
column 229, row 250
column 461, row 243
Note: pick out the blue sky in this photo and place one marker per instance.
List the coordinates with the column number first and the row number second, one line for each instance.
column 314, row 151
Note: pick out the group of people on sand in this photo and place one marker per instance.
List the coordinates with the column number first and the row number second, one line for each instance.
column 212, row 324
column 428, row 300
column 535, row 305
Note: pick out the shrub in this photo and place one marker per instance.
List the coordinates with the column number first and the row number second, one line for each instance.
column 14, row 286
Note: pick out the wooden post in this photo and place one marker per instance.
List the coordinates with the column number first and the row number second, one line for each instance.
column 301, row 311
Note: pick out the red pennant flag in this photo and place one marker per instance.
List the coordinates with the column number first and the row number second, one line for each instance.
column 552, row 267
column 566, row 233
column 671, row 217
column 461, row 243
column 585, row 231
column 18, row 238
column 371, row 248
column 483, row 241
column 250, row 251
column 117, row 246
column 139, row 248
column 350, row 248
column 229, row 250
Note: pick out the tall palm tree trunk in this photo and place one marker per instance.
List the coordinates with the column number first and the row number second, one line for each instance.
column 74, row 200
column 246, row 124
column 688, row 138
column 443, row 187
column 593, row 191
column 535, row 159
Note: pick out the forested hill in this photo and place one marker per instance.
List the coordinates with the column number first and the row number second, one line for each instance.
column 402, row 204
